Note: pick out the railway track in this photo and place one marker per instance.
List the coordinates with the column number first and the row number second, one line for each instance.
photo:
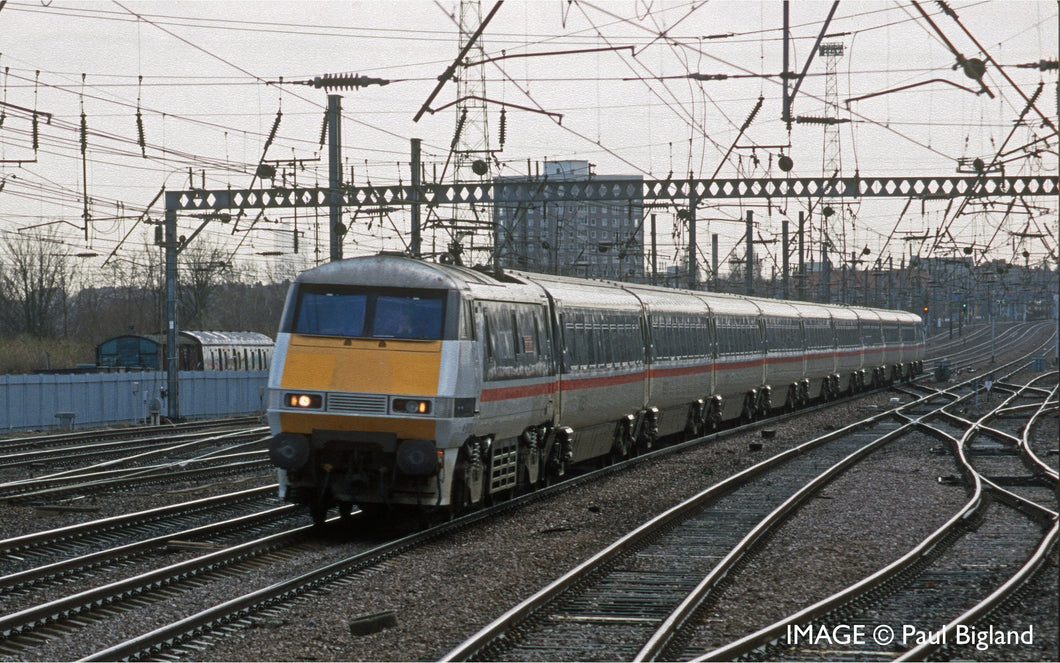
column 35, row 624
column 97, row 452
column 197, row 458
column 935, row 594
column 188, row 632
column 635, row 599
column 57, row 556
column 194, row 633
column 14, row 445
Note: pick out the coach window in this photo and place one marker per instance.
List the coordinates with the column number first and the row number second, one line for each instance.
column 591, row 353
column 489, row 337
column 517, row 346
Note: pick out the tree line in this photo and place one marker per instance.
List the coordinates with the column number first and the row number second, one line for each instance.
column 52, row 316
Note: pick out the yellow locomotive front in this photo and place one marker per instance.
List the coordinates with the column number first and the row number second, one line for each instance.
column 367, row 390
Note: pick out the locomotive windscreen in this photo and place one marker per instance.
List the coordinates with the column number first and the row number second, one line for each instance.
column 335, row 311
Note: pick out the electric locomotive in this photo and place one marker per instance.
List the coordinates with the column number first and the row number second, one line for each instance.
column 399, row 384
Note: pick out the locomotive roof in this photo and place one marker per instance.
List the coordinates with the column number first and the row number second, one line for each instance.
column 387, row 270
column 390, row 270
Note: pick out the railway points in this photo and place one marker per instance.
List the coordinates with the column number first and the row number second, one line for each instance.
column 277, row 614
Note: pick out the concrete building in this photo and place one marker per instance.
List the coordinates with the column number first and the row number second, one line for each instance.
column 594, row 239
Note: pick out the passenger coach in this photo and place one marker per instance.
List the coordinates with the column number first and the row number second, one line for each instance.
column 197, row 351
column 400, row 383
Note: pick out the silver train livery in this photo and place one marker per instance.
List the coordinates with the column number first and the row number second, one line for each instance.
column 400, row 384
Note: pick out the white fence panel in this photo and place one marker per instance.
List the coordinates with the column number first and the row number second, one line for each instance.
column 101, row 399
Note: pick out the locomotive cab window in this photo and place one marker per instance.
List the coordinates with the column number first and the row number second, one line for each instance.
column 352, row 313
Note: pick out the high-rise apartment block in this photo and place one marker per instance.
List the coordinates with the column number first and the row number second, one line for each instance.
column 595, row 239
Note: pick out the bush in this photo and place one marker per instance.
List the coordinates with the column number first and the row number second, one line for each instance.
column 27, row 354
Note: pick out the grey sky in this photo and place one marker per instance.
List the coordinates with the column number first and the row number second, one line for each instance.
column 207, row 104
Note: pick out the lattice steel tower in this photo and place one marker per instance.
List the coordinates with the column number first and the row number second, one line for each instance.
column 832, row 165
column 471, row 143
column 833, row 159
column 471, row 138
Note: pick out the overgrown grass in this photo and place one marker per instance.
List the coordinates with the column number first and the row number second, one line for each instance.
column 26, row 354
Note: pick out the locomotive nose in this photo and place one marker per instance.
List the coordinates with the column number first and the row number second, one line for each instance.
column 289, row 451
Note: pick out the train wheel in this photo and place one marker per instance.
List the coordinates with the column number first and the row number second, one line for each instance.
column 345, row 511
column 747, row 415
column 459, row 499
column 318, row 511
column 623, row 444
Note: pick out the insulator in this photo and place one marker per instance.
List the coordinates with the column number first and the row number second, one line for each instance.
column 946, row 9
column 504, row 126
column 810, row 119
column 751, row 116
column 140, row 132
column 272, row 133
column 346, row 81
column 459, row 128
column 324, row 129
column 84, row 133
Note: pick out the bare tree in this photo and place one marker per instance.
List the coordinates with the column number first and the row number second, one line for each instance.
column 36, row 277
column 127, row 297
column 203, row 270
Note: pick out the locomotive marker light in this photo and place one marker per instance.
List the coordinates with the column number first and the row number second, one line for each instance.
column 410, row 406
column 304, row 401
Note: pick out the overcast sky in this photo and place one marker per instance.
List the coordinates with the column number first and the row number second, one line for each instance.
column 204, row 77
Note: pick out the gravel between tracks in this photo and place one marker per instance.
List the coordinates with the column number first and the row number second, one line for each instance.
column 446, row 591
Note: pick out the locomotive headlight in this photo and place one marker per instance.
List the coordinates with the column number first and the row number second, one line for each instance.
column 303, row 401
column 410, row 406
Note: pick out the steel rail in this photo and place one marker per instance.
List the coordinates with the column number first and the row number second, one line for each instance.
column 29, row 619
column 154, row 642
column 1025, row 573
column 142, row 447
column 127, row 551
column 1028, row 506
column 668, row 629
column 670, row 626
column 995, row 599
column 144, row 455
column 54, row 440
column 151, row 644
column 1049, row 405
column 18, row 544
column 255, row 460
column 519, row 613
column 931, row 545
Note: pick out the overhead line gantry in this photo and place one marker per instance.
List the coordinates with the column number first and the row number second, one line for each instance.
column 684, row 193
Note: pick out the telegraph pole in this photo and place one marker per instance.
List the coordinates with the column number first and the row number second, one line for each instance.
column 414, row 211
column 172, row 356
column 749, row 277
column 784, row 261
column 693, row 202
column 335, row 175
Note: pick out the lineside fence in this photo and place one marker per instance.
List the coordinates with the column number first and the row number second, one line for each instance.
column 84, row 400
